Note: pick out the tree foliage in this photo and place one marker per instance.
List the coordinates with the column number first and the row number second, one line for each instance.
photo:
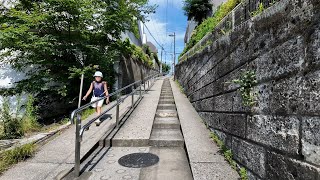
column 166, row 68
column 210, row 23
column 53, row 41
column 197, row 9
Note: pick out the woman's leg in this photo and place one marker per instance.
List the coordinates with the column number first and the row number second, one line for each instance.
column 98, row 110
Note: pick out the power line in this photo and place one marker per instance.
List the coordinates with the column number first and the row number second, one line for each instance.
column 167, row 17
column 153, row 37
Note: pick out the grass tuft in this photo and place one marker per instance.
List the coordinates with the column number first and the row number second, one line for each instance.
column 228, row 155
column 86, row 113
column 13, row 156
column 179, row 85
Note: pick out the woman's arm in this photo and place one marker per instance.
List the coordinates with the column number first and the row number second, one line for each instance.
column 106, row 91
column 89, row 92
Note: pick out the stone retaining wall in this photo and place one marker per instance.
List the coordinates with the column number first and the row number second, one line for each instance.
column 131, row 70
column 279, row 137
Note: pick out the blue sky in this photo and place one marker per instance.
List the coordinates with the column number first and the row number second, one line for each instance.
column 169, row 18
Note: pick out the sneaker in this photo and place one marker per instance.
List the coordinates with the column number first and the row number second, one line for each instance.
column 98, row 122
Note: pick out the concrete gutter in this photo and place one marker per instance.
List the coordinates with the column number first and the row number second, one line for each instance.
column 205, row 160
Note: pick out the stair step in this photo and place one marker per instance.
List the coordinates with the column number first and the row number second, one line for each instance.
column 166, row 107
column 166, row 96
column 166, row 123
column 166, row 138
column 166, row 101
column 166, row 113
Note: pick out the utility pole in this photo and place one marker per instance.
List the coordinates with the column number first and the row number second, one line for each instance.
column 80, row 57
column 174, row 53
column 161, row 60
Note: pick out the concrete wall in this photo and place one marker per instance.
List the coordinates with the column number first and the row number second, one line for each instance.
column 279, row 137
column 8, row 76
column 131, row 70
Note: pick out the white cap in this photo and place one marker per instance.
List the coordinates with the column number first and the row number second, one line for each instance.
column 98, row 74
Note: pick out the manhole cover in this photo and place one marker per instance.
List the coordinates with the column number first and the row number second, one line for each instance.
column 138, row 160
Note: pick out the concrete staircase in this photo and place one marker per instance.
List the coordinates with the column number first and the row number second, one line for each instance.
column 166, row 127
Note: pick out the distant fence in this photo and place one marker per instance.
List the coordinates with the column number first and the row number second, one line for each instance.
column 241, row 13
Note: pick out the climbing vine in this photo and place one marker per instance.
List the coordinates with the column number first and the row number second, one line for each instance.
column 247, row 81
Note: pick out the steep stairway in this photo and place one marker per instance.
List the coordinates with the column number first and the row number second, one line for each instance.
column 166, row 127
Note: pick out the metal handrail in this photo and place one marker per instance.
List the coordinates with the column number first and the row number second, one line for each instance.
column 76, row 113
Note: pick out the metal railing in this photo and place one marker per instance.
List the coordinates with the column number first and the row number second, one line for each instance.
column 76, row 114
column 240, row 14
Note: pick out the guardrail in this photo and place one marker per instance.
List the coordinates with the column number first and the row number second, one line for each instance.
column 76, row 114
column 240, row 14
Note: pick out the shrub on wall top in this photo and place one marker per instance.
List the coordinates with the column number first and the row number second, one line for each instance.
column 209, row 24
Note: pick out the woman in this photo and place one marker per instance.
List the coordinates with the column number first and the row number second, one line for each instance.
column 100, row 90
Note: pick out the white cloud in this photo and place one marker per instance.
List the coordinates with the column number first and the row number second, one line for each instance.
column 159, row 31
column 160, row 27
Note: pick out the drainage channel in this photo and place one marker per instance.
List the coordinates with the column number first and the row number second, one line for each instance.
column 167, row 141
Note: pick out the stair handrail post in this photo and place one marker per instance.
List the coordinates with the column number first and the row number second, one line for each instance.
column 132, row 96
column 117, row 109
column 140, row 88
column 78, row 146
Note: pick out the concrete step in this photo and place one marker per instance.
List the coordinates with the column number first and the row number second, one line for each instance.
column 166, row 138
column 166, row 94
column 166, row 113
column 129, row 142
column 166, row 123
column 171, row 101
column 173, row 165
column 166, row 107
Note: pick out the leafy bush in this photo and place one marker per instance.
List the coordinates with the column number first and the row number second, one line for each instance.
column 209, row 24
column 137, row 52
column 30, row 119
column 15, row 125
column 166, row 67
column 50, row 34
column 247, row 81
column 12, row 128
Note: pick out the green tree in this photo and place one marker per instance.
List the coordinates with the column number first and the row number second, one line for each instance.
column 165, row 68
column 197, row 9
column 46, row 39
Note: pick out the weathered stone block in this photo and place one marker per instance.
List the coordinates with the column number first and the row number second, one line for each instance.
column 279, row 62
column 227, row 139
column 280, row 132
column 280, row 167
column 296, row 95
column 250, row 155
column 311, row 139
column 231, row 123
column 252, row 176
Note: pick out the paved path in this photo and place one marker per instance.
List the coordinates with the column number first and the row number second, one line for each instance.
column 58, row 155
column 164, row 124
column 141, row 135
